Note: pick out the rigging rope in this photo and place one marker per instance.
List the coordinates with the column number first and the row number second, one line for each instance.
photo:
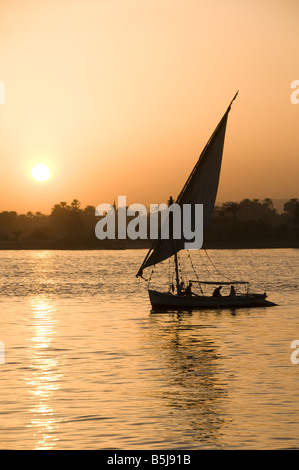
column 170, row 277
column 202, row 260
column 216, row 269
column 197, row 278
column 149, row 279
column 182, row 269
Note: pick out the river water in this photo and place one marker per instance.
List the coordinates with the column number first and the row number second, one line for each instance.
column 87, row 365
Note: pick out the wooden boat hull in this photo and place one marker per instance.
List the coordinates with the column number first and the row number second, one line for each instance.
column 168, row 301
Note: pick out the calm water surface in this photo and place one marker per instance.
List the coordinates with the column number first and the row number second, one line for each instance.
column 88, row 366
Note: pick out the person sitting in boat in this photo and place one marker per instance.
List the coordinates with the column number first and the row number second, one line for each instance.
column 181, row 288
column 232, row 291
column 188, row 291
column 217, row 292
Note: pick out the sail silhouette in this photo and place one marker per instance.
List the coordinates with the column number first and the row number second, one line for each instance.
column 200, row 188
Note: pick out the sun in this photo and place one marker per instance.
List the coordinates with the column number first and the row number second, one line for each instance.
column 40, row 172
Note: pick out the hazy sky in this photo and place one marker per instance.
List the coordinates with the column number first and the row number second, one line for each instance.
column 118, row 97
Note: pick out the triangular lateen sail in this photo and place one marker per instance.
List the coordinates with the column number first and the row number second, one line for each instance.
column 200, row 188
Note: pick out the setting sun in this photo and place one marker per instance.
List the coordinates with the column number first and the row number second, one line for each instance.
column 40, row 172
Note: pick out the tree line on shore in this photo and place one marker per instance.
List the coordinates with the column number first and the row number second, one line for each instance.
column 254, row 223
column 249, row 223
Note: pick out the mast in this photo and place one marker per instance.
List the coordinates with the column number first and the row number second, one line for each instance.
column 177, row 276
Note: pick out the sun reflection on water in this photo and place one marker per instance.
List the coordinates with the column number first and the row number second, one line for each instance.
column 43, row 380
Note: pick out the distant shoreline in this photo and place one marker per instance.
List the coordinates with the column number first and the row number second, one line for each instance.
column 250, row 224
column 129, row 245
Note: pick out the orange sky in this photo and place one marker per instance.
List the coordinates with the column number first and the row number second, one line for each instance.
column 119, row 97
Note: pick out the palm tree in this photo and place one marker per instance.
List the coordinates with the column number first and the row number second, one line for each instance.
column 268, row 203
column 245, row 207
column 245, row 202
column 232, row 207
column 75, row 204
column 289, row 206
column 90, row 210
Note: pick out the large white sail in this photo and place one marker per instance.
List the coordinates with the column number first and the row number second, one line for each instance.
column 200, row 188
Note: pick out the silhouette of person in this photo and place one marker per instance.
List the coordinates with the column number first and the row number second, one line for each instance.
column 181, row 288
column 232, row 291
column 217, row 292
column 188, row 289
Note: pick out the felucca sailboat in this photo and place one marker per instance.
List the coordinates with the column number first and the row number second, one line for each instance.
column 200, row 188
